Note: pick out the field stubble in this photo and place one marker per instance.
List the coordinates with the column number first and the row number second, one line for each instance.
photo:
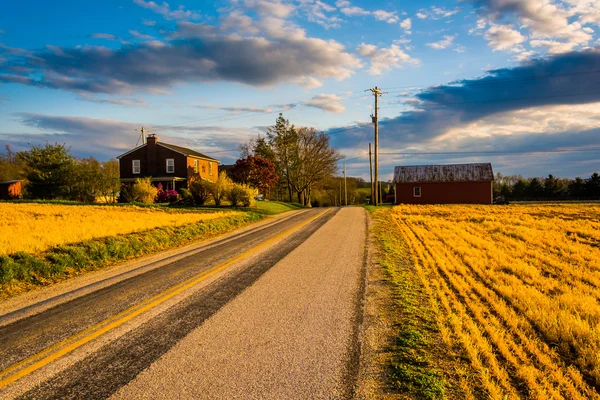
column 515, row 290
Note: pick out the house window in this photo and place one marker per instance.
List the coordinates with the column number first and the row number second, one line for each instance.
column 136, row 166
column 210, row 169
column 196, row 166
column 417, row 191
column 170, row 165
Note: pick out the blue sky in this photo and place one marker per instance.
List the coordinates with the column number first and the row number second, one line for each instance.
column 466, row 76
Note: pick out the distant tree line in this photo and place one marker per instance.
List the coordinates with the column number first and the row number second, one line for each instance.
column 515, row 187
column 52, row 172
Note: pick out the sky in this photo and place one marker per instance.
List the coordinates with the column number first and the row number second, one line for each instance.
column 511, row 82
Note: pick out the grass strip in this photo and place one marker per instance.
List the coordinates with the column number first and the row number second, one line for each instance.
column 22, row 271
column 412, row 369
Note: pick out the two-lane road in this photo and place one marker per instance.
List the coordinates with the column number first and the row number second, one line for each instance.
column 271, row 313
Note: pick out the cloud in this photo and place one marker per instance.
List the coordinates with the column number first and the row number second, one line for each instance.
column 237, row 109
column 503, row 37
column 318, row 12
column 164, row 10
column 551, row 24
column 436, row 13
column 384, row 59
column 507, row 109
column 354, row 11
column 460, row 48
column 148, row 22
column 106, row 36
column 274, row 8
column 105, row 138
column 197, row 53
column 327, row 102
column 406, row 25
column 237, row 21
column 444, row 43
column 389, row 17
column 139, row 35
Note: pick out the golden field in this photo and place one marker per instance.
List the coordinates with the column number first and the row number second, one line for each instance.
column 516, row 292
column 37, row 227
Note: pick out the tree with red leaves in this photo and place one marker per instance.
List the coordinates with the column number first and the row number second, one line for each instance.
column 255, row 171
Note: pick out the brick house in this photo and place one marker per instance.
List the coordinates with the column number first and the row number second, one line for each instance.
column 170, row 165
column 444, row 184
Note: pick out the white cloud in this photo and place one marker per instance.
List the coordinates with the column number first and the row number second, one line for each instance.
column 460, row 49
column 342, row 3
column 406, row 25
column 139, row 35
column 237, row 21
column 503, row 37
column 106, row 36
column 309, row 82
column 275, row 8
column 389, row 17
column 436, row 13
column 553, row 46
column 164, row 10
column 384, row 59
column 444, row 43
column 327, row 102
column 354, row 11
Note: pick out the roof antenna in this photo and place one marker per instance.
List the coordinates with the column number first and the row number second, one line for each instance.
column 142, row 130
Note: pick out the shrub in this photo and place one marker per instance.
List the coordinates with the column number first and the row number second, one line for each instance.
column 219, row 188
column 185, row 194
column 199, row 191
column 235, row 194
column 143, row 191
column 248, row 195
column 167, row 196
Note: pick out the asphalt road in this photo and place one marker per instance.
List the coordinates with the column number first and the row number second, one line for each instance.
column 271, row 313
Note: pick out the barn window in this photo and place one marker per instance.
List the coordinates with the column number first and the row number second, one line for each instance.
column 136, row 166
column 417, row 191
column 210, row 169
column 170, row 165
column 196, row 166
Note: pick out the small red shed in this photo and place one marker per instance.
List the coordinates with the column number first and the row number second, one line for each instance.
column 10, row 190
column 444, row 184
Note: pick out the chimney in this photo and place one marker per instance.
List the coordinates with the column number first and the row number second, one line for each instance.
column 151, row 139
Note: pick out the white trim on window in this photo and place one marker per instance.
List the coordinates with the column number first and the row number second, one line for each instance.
column 135, row 166
column 417, row 191
column 196, row 166
column 210, row 168
column 170, row 165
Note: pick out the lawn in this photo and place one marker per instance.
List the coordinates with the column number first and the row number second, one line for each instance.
column 494, row 301
column 276, row 207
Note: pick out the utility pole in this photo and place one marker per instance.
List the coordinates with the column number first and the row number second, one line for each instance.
column 376, row 92
column 345, row 187
column 340, row 192
column 371, row 175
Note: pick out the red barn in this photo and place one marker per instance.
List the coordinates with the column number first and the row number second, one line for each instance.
column 444, row 184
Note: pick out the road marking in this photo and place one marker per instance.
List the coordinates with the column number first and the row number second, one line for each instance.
column 57, row 350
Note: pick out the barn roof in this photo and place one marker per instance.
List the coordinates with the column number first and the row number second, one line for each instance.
column 444, row 173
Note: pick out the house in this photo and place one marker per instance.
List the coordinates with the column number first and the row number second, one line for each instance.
column 10, row 190
column 444, row 184
column 170, row 165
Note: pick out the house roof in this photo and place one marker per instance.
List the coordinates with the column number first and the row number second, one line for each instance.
column 9, row 182
column 186, row 151
column 183, row 150
column 444, row 173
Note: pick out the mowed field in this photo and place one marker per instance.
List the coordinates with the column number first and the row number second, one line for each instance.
column 512, row 293
column 36, row 227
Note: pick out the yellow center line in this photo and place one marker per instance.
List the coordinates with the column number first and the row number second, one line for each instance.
column 67, row 345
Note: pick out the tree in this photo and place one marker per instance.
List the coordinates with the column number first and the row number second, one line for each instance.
column 111, row 182
column 219, row 188
column 255, row 171
column 535, row 188
column 553, row 187
column 577, row 188
column 282, row 139
column 592, row 185
column 311, row 160
column 86, row 181
column 49, row 170
column 11, row 168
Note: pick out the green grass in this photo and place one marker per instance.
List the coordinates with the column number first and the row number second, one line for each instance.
column 412, row 369
column 22, row 271
column 276, row 207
